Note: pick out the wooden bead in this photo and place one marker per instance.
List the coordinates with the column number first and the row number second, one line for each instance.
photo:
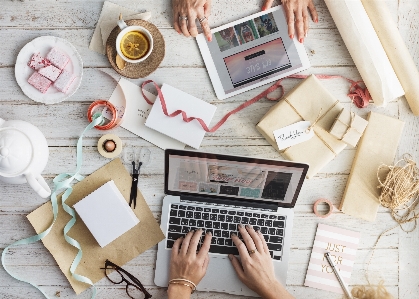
column 109, row 146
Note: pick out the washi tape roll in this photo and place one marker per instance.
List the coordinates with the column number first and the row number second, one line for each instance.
column 109, row 146
column 323, row 200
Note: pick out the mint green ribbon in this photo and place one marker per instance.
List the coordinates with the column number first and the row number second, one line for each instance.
column 61, row 182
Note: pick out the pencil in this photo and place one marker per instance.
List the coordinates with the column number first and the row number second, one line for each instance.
column 335, row 270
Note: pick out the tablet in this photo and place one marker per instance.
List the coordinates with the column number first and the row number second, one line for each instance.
column 251, row 52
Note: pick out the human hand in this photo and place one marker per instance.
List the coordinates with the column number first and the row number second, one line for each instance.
column 188, row 263
column 255, row 269
column 297, row 12
column 185, row 12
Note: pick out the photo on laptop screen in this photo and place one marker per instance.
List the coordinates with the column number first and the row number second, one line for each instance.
column 251, row 52
column 234, row 179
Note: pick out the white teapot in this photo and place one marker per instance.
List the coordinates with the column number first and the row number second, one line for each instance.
column 23, row 155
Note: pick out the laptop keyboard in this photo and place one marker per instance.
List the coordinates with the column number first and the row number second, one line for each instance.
column 222, row 222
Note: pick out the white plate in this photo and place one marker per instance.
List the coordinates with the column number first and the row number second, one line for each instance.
column 43, row 45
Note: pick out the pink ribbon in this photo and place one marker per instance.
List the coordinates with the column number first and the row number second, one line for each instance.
column 360, row 97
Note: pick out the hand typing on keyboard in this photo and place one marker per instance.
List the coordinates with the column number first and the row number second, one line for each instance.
column 255, row 267
column 188, row 263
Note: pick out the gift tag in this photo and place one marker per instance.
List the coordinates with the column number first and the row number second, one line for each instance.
column 293, row 134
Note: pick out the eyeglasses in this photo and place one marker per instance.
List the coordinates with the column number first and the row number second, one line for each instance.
column 134, row 288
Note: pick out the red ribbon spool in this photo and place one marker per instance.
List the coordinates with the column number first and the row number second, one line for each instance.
column 111, row 107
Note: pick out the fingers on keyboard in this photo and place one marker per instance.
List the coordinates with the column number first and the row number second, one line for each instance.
column 221, row 224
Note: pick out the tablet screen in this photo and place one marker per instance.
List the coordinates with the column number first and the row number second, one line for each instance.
column 253, row 49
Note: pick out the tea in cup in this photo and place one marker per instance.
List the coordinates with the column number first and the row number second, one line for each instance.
column 134, row 43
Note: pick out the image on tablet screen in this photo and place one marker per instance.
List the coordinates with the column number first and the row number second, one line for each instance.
column 257, row 62
column 246, row 32
column 266, row 25
column 226, row 39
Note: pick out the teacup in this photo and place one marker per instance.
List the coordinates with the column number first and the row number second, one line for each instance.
column 124, row 30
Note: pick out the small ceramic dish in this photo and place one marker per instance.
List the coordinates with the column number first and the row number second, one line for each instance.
column 43, row 45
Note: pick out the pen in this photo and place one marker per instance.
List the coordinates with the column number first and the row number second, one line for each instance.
column 342, row 283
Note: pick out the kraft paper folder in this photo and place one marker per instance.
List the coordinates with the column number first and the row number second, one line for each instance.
column 396, row 50
column 378, row 146
column 366, row 50
column 128, row 246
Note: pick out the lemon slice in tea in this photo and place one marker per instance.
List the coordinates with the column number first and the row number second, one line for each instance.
column 134, row 45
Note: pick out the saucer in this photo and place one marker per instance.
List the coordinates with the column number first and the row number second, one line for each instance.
column 43, row 45
column 146, row 67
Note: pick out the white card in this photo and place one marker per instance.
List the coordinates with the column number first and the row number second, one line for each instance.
column 190, row 133
column 136, row 113
column 293, row 134
column 106, row 213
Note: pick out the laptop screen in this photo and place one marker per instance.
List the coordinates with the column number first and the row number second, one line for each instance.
column 233, row 177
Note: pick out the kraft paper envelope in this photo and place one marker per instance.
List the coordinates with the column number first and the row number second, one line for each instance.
column 128, row 246
column 377, row 146
column 307, row 101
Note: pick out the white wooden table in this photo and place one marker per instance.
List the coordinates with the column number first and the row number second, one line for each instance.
column 396, row 261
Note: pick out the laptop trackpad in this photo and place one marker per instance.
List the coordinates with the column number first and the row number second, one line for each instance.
column 221, row 277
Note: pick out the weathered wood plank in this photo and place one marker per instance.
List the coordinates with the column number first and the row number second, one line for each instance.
column 21, row 199
column 70, row 119
column 195, row 81
column 32, row 262
column 78, row 13
column 408, row 242
column 180, row 51
column 16, row 226
column 24, row 292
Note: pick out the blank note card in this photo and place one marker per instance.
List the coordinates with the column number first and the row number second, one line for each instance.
column 190, row 133
column 106, row 213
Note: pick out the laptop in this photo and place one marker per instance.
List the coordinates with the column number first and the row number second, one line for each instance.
column 216, row 193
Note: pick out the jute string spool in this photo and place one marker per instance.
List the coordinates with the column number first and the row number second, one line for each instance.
column 400, row 194
column 400, row 191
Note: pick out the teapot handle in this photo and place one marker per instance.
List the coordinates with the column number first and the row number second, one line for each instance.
column 38, row 184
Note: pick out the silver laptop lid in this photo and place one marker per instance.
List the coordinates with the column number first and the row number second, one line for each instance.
column 190, row 173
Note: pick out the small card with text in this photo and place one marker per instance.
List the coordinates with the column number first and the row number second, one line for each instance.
column 293, row 134
column 342, row 245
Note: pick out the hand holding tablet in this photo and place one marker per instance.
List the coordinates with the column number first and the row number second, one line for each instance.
column 297, row 12
column 185, row 12
column 251, row 52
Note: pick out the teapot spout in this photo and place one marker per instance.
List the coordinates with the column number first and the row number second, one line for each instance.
column 2, row 121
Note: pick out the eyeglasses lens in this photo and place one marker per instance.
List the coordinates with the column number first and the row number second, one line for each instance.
column 135, row 292
column 113, row 275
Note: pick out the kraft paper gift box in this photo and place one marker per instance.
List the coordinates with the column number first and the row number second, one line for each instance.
column 308, row 101
column 378, row 146
column 348, row 127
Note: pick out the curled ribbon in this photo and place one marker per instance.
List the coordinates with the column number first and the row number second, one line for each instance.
column 360, row 97
column 61, row 181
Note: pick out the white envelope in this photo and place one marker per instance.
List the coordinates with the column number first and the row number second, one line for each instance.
column 190, row 133
column 136, row 113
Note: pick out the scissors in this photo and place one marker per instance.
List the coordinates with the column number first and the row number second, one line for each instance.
column 134, row 185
